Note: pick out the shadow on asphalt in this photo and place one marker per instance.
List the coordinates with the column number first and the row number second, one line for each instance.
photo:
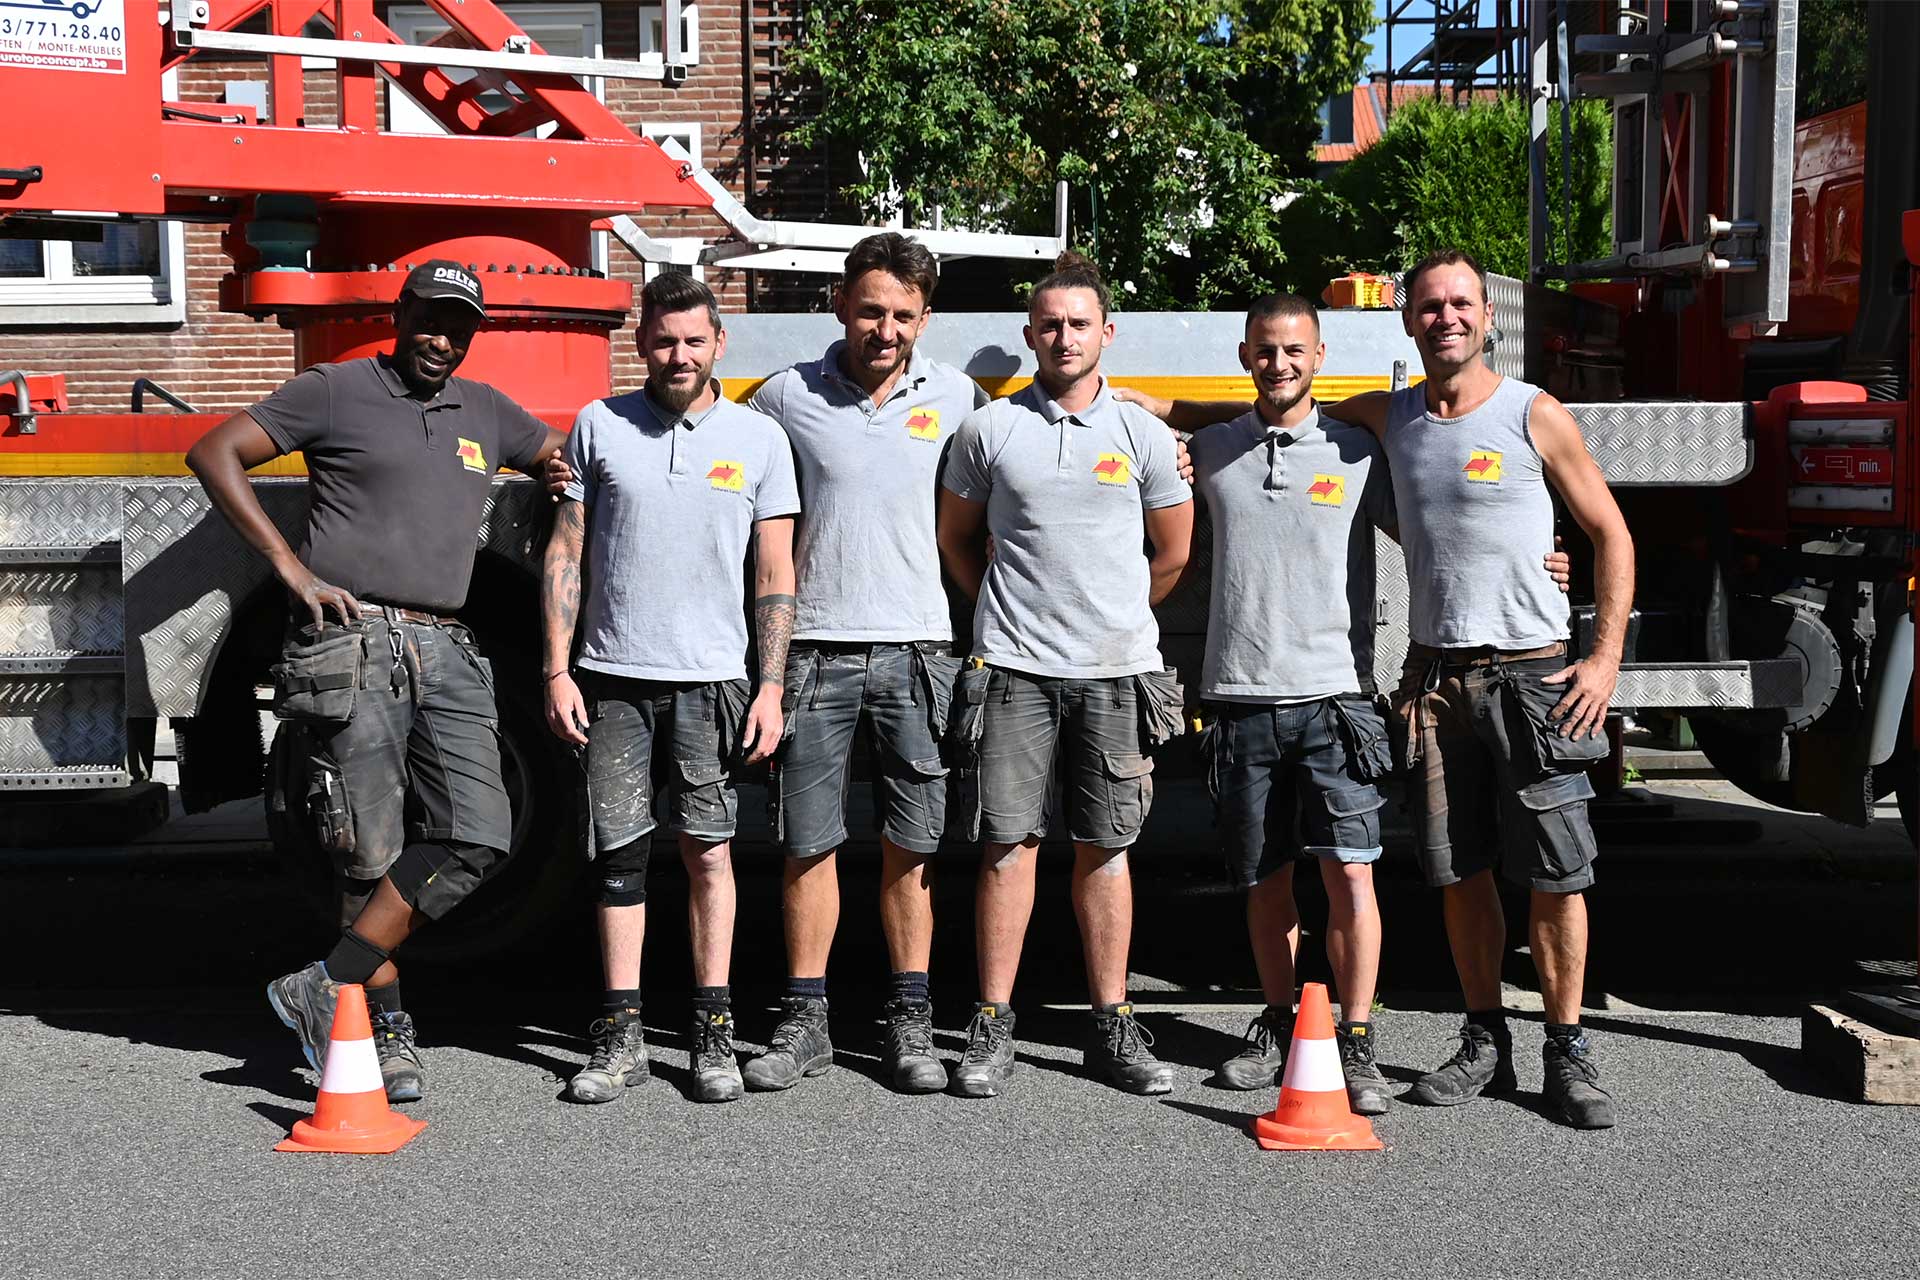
column 1785, row 1065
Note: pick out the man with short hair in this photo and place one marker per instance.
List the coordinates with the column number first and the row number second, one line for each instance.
column 670, row 487
column 393, row 706
column 1069, row 484
column 870, row 423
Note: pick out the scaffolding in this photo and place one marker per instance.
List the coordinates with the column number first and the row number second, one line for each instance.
column 1461, row 56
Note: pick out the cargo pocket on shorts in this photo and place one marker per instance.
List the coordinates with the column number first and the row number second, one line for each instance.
column 803, row 668
column 1353, row 816
column 730, row 700
column 1129, row 788
column 318, row 676
column 1553, row 752
column 966, row 721
column 1562, row 833
column 938, row 673
column 1364, row 730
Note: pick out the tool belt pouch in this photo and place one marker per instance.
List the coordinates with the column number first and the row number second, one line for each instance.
column 1364, row 731
column 731, row 699
column 965, row 728
column 1163, row 706
column 1529, row 704
column 318, row 676
column 329, row 807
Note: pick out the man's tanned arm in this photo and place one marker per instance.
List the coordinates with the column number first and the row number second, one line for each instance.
column 560, row 616
column 773, row 612
column 961, row 534
column 1170, row 531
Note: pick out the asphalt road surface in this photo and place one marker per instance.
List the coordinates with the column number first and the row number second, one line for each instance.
column 143, row 1084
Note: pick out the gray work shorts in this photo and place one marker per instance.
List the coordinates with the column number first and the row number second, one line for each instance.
column 419, row 758
column 1089, row 731
column 700, row 724
column 1488, row 777
column 1299, row 779
column 902, row 692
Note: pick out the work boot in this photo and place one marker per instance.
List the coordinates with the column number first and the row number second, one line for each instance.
column 710, row 1057
column 1118, row 1050
column 304, row 1001
column 800, row 1046
column 983, row 1069
column 1257, row 1065
column 908, row 1058
column 1366, row 1088
column 400, row 1066
column 618, row 1063
column 1572, row 1091
column 1482, row 1064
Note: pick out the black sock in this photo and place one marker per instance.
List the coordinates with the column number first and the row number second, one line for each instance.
column 715, row 999
column 807, row 988
column 1558, row 1031
column 354, row 959
column 911, row 984
column 622, row 1005
column 386, row 999
column 1491, row 1019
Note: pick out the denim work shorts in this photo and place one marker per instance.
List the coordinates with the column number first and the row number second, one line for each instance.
column 700, row 724
column 1298, row 779
column 1089, row 731
column 903, row 693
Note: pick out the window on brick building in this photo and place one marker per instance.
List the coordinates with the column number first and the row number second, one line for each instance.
column 653, row 38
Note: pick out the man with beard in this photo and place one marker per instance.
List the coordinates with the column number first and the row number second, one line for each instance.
column 1069, row 484
column 670, row 484
column 1500, row 727
column 394, row 702
column 869, row 423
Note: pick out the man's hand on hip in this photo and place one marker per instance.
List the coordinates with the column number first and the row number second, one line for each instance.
column 1583, row 711
column 316, row 596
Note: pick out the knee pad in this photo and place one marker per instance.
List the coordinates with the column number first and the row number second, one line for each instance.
column 623, row 873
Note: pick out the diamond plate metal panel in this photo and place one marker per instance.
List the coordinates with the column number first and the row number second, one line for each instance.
column 54, row 722
column 74, row 608
column 1649, row 443
column 46, row 512
column 1391, row 638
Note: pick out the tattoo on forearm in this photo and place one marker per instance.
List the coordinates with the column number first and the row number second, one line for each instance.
column 773, row 625
column 560, row 586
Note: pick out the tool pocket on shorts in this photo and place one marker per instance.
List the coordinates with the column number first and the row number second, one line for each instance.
column 1553, row 752
column 729, row 700
column 937, row 674
column 966, row 722
column 803, row 671
column 1163, row 706
column 1564, row 836
column 1129, row 787
column 1353, row 816
column 329, row 806
column 1364, row 731
column 318, row 675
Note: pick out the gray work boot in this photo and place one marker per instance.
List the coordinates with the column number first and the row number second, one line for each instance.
column 1572, row 1091
column 908, row 1059
column 710, row 1057
column 1482, row 1064
column 1119, row 1052
column 988, row 1060
column 400, row 1066
column 1367, row 1093
column 305, row 1001
column 619, row 1061
column 1258, row 1064
column 800, row 1046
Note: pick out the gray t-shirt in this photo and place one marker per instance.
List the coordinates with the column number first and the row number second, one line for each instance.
column 1291, row 615
column 396, row 486
column 671, row 503
column 1066, row 495
column 1475, row 518
column 865, row 556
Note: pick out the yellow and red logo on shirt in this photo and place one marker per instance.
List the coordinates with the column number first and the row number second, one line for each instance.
column 1113, row 468
column 923, row 424
column 1484, row 466
column 730, row 476
column 1328, row 491
column 470, row 455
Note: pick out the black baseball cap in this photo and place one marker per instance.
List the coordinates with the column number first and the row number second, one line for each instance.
column 442, row 278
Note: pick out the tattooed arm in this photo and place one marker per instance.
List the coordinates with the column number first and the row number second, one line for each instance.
column 773, row 631
column 560, row 614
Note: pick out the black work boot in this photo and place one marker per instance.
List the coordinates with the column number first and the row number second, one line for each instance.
column 1118, row 1051
column 909, row 1060
column 618, row 1063
column 1482, row 1064
column 983, row 1069
column 1572, row 1091
column 400, row 1068
column 710, row 1056
column 1366, row 1088
column 1258, row 1064
column 800, row 1046
column 305, row 1000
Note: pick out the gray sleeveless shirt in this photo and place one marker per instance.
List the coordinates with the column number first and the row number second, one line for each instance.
column 1475, row 520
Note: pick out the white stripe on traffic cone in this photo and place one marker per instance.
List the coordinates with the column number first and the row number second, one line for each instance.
column 352, row 1067
column 1314, row 1067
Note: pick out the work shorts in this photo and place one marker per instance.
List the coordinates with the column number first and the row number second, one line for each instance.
column 903, row 693
column 699, row 725
column 1091, row 733
column 1296, row 779
column 403, row 747
column 1488, row 775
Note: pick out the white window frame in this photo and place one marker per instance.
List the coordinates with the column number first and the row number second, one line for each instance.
column 687, row 134
column 652, row 15
column 417, row 24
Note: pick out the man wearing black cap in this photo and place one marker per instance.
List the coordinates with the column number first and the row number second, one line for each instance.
column 391, row 709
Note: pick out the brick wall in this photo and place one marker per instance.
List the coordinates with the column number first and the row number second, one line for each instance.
column 222, row 363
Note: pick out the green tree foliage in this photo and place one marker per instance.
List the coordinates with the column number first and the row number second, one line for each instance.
column 1833, row 56
column 1446, row 176
column 977, row 107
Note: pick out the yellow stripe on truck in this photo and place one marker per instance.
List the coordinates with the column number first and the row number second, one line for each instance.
column 125, row 464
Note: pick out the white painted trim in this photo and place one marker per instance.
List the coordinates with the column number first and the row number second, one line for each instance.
column 689, row 27
column 685, row 134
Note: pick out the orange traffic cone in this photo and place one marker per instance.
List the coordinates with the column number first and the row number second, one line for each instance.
column 352, row 1113
column 1313, row 1114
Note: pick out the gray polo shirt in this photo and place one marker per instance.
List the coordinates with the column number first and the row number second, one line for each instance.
column 671, row 503
column 1066, row 495
column 397, row 486
column 865, row 555
column 1293, row 511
